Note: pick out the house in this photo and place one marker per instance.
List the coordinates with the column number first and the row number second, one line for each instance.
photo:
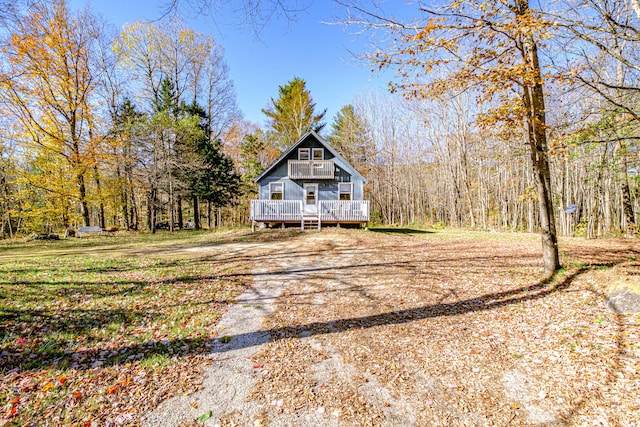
column 311, row 185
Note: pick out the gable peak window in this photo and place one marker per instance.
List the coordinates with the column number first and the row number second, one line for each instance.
column 318, row 153
column 304, row 154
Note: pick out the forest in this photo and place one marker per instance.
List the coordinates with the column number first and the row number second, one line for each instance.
column 502, row 116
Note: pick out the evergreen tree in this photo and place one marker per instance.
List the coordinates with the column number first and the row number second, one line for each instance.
column 166, row 98
column 252, row 147
column 209, row 174
column 351, row 137
column 292, row 114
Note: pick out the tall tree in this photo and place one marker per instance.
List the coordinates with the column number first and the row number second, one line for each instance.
column 601, row 41
column 125, row 156
column 49, row 86
column 491, row 47
column 256, row 14
column 192, row 63
column 205, row 170
column 351, row 137
column 293, row 114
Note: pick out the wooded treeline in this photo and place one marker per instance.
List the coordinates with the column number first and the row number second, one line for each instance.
column 427, row 165
column 111, row 129
column 139, row 127
column 529, row 113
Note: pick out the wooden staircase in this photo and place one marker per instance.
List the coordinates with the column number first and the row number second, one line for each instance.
column 309, row 222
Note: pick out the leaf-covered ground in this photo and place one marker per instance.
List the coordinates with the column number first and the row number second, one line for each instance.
column 417, row 329
column 394, row 327
column 97, row 331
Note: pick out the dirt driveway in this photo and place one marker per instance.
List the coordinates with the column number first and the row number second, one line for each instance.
column 389, row 328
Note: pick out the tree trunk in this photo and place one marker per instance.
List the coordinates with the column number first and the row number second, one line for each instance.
column 180, row 219
column 82, row 193
column 151, row 210
column 124, row 208
column 196, row 213
column 172, row 220
column 96, row 177
column 533, row 98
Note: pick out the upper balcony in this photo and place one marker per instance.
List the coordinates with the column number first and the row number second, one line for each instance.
column 311, row 169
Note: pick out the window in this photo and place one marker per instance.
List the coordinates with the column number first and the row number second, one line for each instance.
column 276, row 191
column 303, row 154
column 345, row 189
column 318, row 154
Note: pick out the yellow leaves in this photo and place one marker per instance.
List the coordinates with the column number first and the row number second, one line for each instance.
column 48, row 386
column 186, row 36
column 530, row 194
column 432, row 25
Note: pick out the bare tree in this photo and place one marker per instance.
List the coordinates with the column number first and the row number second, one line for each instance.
column 252, row 14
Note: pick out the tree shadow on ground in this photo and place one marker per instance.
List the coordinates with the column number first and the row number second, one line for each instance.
column 55, row 355
column 400, row 230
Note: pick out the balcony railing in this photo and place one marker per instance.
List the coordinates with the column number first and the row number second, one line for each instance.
column 311, row 169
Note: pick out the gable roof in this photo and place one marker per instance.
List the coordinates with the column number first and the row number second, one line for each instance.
column 337, row 157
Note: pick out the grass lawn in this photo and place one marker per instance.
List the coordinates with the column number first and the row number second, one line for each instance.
column 99, row 325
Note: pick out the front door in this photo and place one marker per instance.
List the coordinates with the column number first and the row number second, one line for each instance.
column 310, row 199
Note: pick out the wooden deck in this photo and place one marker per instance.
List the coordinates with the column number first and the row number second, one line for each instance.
column 328, row 212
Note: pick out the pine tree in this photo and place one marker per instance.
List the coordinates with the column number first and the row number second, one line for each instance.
column 292, row 114
column 350, row 136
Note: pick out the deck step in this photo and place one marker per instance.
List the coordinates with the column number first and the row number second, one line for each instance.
column 310, row 222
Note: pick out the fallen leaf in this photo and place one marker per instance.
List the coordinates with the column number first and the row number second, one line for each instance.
column 12, row 411
column 204, row 417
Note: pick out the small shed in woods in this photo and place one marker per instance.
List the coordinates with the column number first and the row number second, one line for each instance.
column 310, row 184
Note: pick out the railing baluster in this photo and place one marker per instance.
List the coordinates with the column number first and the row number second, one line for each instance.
column 332, row 210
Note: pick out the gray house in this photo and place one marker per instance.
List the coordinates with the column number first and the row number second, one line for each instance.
column 310, row 185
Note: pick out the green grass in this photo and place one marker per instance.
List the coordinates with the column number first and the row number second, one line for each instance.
column 76, row 314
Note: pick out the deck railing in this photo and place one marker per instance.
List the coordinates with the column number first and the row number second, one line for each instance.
column 344, row 210
column 311, row 169
column 276, row 210
column 328, row 210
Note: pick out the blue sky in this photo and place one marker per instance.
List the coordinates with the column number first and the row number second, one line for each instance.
column 306, row 48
